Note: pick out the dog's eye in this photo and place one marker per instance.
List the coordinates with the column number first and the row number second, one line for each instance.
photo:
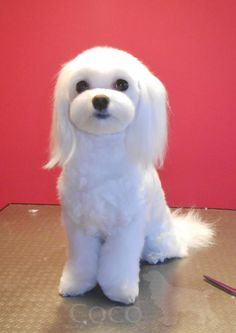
column 121, row 85
column 82, row 86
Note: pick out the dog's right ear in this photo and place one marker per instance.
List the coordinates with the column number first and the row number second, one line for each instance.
column 62, row 139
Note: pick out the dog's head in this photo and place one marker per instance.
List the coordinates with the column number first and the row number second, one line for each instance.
column 105, row 91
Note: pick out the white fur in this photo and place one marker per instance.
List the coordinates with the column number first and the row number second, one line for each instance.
column 114, row 208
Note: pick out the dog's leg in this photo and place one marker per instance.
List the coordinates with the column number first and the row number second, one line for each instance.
column 171, row 235
column 118, row 273
column 162, row 241
column 80, row 271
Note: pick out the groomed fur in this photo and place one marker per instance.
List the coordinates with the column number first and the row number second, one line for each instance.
column 113, row 205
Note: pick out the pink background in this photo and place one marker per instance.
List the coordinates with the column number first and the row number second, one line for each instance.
column 190, row 45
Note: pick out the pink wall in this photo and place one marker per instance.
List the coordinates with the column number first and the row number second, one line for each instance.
column 189, row 44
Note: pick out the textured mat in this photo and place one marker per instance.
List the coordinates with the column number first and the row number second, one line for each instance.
column 173, row 296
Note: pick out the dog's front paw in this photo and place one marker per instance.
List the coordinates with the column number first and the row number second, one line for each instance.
column 126, row 294
column 74, row 284
column 74, row 287
column 121, row 292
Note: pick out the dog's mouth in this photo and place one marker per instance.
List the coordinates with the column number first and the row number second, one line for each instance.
column 101, row 115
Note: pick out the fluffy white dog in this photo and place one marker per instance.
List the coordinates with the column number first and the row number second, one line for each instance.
column 109, row 129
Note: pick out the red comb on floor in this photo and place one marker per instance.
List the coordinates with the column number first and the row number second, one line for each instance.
column 221, row 285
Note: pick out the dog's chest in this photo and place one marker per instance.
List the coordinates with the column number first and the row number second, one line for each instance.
column 100, row 205
column 101, row 191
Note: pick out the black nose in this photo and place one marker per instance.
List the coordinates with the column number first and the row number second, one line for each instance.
column 100, row 102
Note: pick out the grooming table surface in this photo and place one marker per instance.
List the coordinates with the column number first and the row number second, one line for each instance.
column 173, row 296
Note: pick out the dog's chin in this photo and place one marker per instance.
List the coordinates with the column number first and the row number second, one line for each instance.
column 102, row 124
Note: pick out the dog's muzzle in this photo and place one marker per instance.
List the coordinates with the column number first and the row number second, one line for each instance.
column 100, row 104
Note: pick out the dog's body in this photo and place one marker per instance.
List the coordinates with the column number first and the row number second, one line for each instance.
column 107, row 133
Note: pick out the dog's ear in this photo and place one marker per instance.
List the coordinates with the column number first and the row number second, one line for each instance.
column 147, row 135
column 62, row 140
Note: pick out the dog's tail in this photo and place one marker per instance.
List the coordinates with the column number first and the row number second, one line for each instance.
column 192, row 230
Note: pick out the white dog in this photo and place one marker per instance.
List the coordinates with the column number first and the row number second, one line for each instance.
column 109, row 128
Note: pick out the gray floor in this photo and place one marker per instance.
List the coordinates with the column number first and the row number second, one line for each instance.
column 173, row 296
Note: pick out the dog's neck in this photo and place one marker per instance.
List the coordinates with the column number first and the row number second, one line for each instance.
column 102, row 152
column 101, row 159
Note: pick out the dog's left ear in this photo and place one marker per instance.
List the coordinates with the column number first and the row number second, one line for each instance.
column 147, row 135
